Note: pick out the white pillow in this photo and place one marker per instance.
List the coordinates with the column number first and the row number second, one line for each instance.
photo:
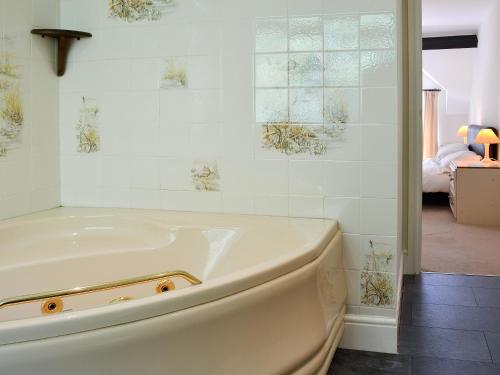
column 444, row 163
column 450, row 149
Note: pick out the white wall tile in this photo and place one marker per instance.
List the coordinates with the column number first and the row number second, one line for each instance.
column 353, row 292
column 145, row 198
column 346, row 211
column 191, row 201
column 379, row 216
column 145, row 173
column 307, row 178
column 378, row 6
column 305, row 7
column 342, row 179
column 237, row 36
column 378, row 68
column 379, row 106
column 341, row 6
column 205, row 39
column 204, row 72
column 238, row 203
column 276, row 205
column 238, row 176
column 175, row 174
column 348, row 148
column 351, row 255
column 174, row 140
column 379, row 180
column 271, row 177
column 115, row 197
column 145, row 74
column 373, row 137
column 301, row 206
column 205, row 141
column 116, row 172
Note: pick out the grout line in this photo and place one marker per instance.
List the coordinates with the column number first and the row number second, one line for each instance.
column 488, row 346
column 447, row 304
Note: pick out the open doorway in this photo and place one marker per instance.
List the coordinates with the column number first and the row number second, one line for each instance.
column 461, row 119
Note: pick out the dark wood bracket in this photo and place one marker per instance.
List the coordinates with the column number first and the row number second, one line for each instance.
column 64, row 40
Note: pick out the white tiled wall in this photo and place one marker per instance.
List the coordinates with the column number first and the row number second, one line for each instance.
column 29, row 171
column 237, row 80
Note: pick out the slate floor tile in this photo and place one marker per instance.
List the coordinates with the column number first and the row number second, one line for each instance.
column 487, row 297
column 444, row 343
column 439, row 366
column 352, row 362
column 457, row 280
column 493, row 340
column 456, row 317
column 438, row 294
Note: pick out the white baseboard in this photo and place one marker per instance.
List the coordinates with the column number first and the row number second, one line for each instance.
column 370, row 333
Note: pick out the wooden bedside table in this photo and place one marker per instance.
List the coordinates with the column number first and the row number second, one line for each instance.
column 475, row 192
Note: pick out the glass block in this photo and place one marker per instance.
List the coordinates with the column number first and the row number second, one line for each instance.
column 341, row 69
column 306, row 69
column 341, row 33
column 378, row 68
column 377, row 31
column 271, row 105
column 306, row 34
column 271, row 35
column 306, row 105
column 341, row 106
column 271, row 70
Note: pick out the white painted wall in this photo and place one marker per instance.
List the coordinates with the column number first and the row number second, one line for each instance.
column 29, row 170
column 452, row 71
column 485, row 98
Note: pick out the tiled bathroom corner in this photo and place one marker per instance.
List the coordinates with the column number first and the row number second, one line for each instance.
column 275, row 107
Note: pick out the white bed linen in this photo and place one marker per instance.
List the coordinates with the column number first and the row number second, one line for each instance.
column 434, row 179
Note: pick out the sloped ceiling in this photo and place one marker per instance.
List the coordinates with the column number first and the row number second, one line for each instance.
column 453, row 17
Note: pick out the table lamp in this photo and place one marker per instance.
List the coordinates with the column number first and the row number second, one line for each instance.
column 487, row 137
column 462, row 132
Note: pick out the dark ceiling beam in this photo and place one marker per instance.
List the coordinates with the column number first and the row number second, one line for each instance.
column 450, row 42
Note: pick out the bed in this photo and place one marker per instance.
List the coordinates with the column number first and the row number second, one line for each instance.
column 435, row 171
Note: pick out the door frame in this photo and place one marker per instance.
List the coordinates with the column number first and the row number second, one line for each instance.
column 412, row 136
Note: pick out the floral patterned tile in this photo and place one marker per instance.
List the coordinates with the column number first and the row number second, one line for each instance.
column 139, row 10
column 88, row 137
column 11, row 104
column 174, row 74
column 205, row 175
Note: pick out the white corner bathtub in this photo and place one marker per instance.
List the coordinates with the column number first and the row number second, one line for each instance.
column 271, row 298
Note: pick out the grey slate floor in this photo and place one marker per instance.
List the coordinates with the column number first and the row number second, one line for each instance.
column 450, row 324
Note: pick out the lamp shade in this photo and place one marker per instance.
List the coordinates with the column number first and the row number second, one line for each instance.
column 486, row 137
column 462, row 132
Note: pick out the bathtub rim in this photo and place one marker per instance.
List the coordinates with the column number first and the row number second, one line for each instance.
column 17, row 331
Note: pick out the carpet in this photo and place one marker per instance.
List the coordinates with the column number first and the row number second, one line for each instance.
column 448, row 247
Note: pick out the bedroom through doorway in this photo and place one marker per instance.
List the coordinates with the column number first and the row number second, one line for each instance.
column 461, row 119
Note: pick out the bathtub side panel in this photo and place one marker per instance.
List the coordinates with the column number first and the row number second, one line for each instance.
column 273, row 328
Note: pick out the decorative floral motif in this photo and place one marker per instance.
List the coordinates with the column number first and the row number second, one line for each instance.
column 297, row 139
column 175, row 74
column 376, row 284
column 88, row 135
column 376, row 288
column 11, row 106
column 336, row 113
column 205, row 176
column 138, row 10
